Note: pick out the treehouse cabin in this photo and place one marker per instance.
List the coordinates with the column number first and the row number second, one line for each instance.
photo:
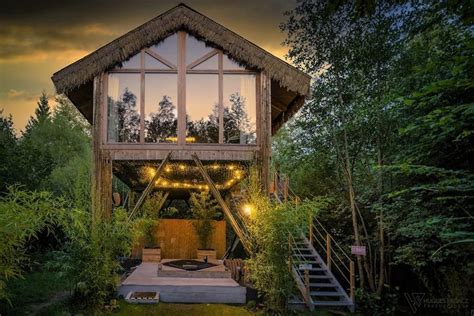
column 180, row 84
column 181, row 104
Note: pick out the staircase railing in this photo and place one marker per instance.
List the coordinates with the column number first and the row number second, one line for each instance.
column 336, row 259
column 302, row 280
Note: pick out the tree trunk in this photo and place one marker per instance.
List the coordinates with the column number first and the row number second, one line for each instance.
column 352, row 203
column 381, row 230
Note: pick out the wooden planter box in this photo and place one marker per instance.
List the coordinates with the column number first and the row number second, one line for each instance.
column 210, row 253
column 151, row 255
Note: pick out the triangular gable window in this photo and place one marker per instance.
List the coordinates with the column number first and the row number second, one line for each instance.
column 153, row 63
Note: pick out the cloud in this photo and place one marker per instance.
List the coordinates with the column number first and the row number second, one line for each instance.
column 26, row 43
column 12, row 93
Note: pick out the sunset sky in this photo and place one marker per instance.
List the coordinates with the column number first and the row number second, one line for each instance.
column 40, row 37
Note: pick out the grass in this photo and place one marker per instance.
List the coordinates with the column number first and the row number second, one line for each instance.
column 33, row 292
column 180, row 309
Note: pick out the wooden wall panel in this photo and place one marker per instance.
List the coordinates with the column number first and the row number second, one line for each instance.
column 178, row 240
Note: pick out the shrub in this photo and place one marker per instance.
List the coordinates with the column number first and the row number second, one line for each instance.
column 270, row 226
column 22, row 216
column 204, row 209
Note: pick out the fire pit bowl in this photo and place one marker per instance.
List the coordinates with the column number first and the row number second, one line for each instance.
column 189, row 265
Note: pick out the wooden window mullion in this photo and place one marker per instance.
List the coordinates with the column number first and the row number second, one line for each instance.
column 181, row 88
column 142, row 97
column 221, row 98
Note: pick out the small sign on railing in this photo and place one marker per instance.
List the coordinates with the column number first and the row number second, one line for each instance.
column 305, row 266
column 358, row 250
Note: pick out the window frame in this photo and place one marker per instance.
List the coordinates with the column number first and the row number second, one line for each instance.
column 181, row 70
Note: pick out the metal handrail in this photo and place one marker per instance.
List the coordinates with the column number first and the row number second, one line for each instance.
column 315, row 227
column 332, row 238
column 335, row 243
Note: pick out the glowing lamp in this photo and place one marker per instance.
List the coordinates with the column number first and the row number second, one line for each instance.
column 248, row 209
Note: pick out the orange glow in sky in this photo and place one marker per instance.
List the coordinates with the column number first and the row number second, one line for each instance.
column 41, row 37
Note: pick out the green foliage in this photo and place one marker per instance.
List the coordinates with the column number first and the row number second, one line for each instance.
column 392, row 117
column 149, row 221
column 270, row 226
column 204, row 209
column 51, row 141
column 89, row 258
column 23, row 215
column 8, row 155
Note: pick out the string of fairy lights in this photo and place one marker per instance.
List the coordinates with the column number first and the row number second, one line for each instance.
column 185, row 176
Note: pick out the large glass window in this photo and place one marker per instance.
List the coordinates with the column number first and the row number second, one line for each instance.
column 218, row 97
column 195, row 49
column 161, row 116
column 202, row 108
column 167, row 49
column 240, row 109
column 123, row 103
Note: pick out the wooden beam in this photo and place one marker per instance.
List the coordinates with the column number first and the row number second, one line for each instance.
column 163, row 201
column 142, row 97
column 227, row 212
column 160, row 58
column 181, row 87
column 221, row 98
column 150, row 185
column 101, row 161
column 202, row 59
column 265, row 130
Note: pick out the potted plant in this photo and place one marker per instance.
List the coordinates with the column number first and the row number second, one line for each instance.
column 151, row 251
column 204, row 210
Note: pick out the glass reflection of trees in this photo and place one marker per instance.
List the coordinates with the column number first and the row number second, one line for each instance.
column 238, row 128
column 162, row 124
column 202, row 130
column 124, row 119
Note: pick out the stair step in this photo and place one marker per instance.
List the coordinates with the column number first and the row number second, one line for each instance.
column 313, row 269
column 332, row 303
column 322, row 285
column 322, row 276
column 322, row 293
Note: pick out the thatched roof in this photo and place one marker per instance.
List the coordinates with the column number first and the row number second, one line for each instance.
column 77, row 77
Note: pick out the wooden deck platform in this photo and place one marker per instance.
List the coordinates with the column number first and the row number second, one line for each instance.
column 183, row 289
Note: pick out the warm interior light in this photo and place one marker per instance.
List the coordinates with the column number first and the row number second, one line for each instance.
column 231, row 167
column 182, row 167
column 248, row 209
column 168, row 169
column 189, row 139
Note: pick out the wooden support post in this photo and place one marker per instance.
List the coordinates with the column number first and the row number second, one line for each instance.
column 286, row 186
column 101, row 161
column 227, row 212
column 352, row 278
column 265, row 128
column 307, row 288
column 150, row 185
column 310, row 219
column 163, row 200
column 328, row 251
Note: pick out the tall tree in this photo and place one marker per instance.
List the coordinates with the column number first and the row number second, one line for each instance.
column 8, row 153
column 42, row 113
column 350, row 58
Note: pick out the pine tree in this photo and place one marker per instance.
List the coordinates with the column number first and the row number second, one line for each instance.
column 8, row 144
column 42, row 113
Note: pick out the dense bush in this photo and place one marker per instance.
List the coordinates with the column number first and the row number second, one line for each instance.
column 269, row 227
